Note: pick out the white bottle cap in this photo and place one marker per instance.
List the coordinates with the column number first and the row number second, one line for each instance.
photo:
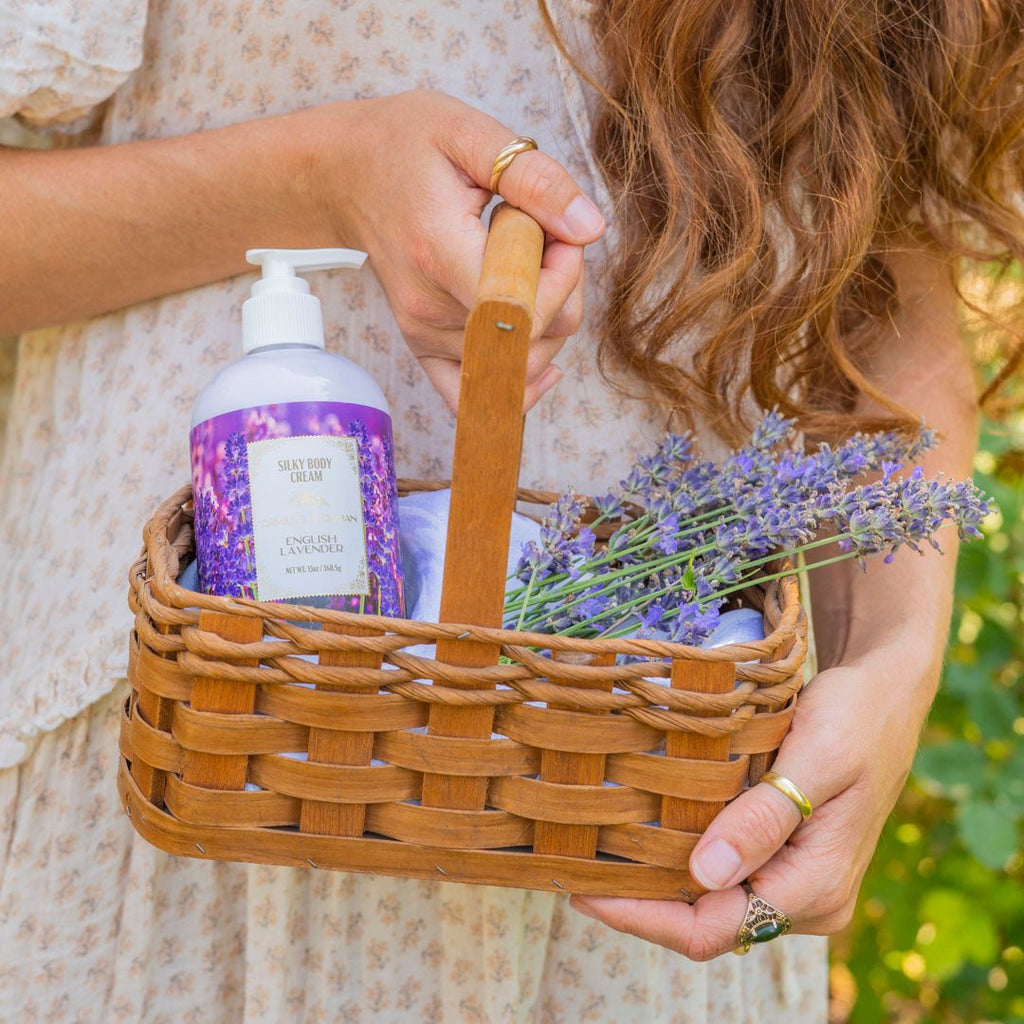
column 281, row 310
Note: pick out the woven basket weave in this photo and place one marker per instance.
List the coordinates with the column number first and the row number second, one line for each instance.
column 509, row 758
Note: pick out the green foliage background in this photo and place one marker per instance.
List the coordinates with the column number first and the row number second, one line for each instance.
column 939, row 928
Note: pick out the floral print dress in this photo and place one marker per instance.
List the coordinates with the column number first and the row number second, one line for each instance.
column 96, row 926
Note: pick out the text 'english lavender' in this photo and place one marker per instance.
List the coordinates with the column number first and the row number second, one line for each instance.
column 684, row 535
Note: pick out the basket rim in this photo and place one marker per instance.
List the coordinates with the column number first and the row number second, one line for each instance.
column 152, row 575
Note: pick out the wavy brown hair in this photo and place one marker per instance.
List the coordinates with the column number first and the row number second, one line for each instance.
column 767, row 156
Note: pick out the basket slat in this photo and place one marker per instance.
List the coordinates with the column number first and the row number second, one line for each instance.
column 765, row 732
column 651, row 844
column 572, row 803
column 689, row 814
column 574, row 768
column 381, row 856
column 436, row 826
column 147, row 747
column 335, row 783
column 576, row 731
column 457, row 755
column 223, row 771
column 162, row 674
column 199, row 805
column 153, row 708
column 235, row 734
column 334, row 746
column 316, row 709
column 682, row 778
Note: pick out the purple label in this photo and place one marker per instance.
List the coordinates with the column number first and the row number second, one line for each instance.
column 297, row 502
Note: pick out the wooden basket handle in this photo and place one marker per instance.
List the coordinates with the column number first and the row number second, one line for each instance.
column 489, row 432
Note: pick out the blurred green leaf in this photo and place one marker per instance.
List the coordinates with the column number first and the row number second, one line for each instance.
column 1012, row 781
column 993, row 710
column 988, row 831
column 956, row 898
column 995, row 644
column 963, row 932
column 962, row 677
column 956, row 767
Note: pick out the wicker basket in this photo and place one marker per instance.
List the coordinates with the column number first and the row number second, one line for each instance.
column 509, row 758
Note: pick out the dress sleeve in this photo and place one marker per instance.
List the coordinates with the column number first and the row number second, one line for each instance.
column 61, row 58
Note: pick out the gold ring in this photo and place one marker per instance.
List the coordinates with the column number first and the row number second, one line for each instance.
column 761, row 923
column 507, row 155
column 783, row 785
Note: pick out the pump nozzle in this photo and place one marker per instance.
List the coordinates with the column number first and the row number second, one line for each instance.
column 289, row 262
column 281, row 310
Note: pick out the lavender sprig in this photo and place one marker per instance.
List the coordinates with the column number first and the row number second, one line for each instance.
column 688, row 534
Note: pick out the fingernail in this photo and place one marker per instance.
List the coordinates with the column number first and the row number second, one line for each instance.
column 715, row 864
column 582, row 217
column 581, row 908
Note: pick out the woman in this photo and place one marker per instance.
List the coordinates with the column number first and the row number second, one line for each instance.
column 762, row 173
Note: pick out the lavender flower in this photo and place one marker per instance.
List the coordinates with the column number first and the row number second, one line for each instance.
column 379, row 490
column 610, row 506
column 694, row 624
column 225, row 544
column 771, row 431
column 558, row 543
column 690, row 534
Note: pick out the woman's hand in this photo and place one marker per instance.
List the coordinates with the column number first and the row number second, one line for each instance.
column 406, row 178
column 849, row 749
column 856, row 726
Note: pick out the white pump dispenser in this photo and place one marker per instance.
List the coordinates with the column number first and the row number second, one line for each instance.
column 281, row 310
column 293, row 457
column 283, row 340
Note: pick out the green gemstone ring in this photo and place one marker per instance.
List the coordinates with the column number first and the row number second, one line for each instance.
column 761, row 923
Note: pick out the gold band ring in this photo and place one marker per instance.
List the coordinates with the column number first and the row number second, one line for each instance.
column 761, row 923
column 783, row 785
column 507, row 155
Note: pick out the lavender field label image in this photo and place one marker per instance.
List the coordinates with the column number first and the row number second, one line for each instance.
column 307, row 517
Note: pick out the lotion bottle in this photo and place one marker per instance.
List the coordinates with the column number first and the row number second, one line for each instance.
column 293, row 471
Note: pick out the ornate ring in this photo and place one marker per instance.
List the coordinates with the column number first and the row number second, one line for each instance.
column 507, row 155
column 761, row 923
column 784, row 785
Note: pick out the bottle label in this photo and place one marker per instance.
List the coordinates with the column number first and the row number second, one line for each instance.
column 307, row 521
column 298, row 502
